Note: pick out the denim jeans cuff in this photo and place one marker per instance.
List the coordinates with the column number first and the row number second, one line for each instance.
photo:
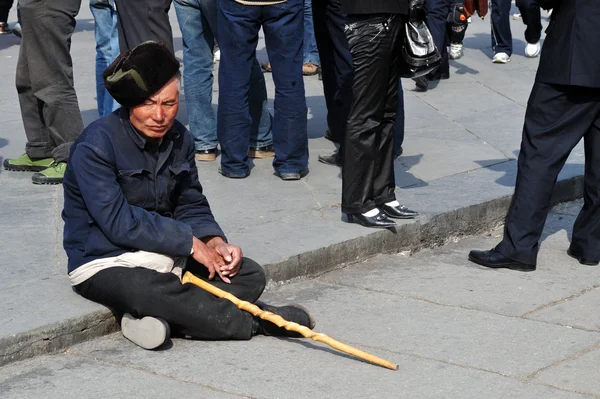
column 205, row 147
column 314, row 61
column 256, row 144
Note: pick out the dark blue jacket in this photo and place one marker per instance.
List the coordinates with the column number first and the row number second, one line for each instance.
column 125, row 193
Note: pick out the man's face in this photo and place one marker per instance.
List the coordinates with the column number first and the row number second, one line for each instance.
column 156, row 116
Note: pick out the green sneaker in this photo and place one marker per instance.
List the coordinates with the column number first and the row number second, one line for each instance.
column 26, row 164
column 54, row 174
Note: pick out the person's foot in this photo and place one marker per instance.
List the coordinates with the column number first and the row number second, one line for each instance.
column 291, row 175
column 396, row 211
column 456, row 51
column 309, row 69
column 584, row 261
column 17, row 30
column 334, row 159
column 532, row 50
column 517, row 17
column 266, row 151
column 206, row 155
column 501, row 58
column 266, row 67
column 4, row 29
column 234, row 175
column 440, row 76
column 377, row 220
column 26, row 164
column 422, row 82
column 53, row 174
column 328, row 135
column 496, row 260
column 147, row 332
column 400, row 152
column 293, row 313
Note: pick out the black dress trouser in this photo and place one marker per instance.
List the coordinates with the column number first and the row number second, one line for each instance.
column 44, row 78
column 142, row 20
column 368, row 164
column 531, row 14
column 557, row 118
column 188, row 309
column 5, row 6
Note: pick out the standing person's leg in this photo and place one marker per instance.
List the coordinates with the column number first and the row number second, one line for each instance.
column 437, row 17
column 5, row 6
column 284, row 29
column 532, row 18
column 363, row 130
column 585, row 244
column 556, row 119
column 400, row 122
column 48, row 27
column 107, row 49
column 198, row 41
column 238, row 27
column 311, row 54
column 142, row 20
column 501, row 34
column 261, row 133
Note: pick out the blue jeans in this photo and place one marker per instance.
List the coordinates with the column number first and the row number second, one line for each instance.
column 107, row 49
column 311, row 54
column 198, row 22
column 283, row 25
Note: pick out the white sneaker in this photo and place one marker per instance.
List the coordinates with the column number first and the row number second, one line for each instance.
column 517, row 17
column 532, row 50
column 456, row 51
column 217, row 55
column 148, row 332
column 501, row 58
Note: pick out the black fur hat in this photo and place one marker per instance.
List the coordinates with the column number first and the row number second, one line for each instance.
column 139, row 73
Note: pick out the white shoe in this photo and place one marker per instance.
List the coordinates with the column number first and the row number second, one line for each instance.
column 517, row 17
column 501, row 58
column 532, row 50
column 456, row 51
column 217, row 55
column 148, row 332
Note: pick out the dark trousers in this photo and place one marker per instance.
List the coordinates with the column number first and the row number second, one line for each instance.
column 532, row 18
column 142, row 20
column 44, row 78
column 338, row 71
column 501, row 34
column 368, row 163
column 437, row 21
column 5, row 6
column 188, row 309
column 238, row 26
column 557, row 118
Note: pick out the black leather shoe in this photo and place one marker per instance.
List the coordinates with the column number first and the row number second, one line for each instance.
column 266, row 151
column 292, row 175
column 206, row 155
column 328, row 135
column 440, row 76
column 234, row 175
column 496, row 260
column 293, row 313
column 588, row 262
column 399, row 212
column 334, row 159
column 377, row 221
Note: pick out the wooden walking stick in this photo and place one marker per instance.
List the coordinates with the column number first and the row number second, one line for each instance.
column 290, row 326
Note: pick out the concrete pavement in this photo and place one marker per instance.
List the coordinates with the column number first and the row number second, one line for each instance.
column 457, row 330
column 458, row 170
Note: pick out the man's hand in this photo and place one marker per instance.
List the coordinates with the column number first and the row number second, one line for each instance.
column 210, row 258
column 231, row 254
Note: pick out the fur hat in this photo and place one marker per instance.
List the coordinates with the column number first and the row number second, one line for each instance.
column 139, row 73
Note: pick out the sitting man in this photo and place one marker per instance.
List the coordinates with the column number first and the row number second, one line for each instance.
column 135, row 216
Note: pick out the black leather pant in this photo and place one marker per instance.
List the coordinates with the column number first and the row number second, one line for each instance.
column 368, row 172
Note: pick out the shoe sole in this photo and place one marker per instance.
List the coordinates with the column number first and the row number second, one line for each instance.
column 511, row 266
column 206, row 157
column 581, row 260
column 261, row 154
column 310, row 73
column 24, row 168
column 501, row 61
column 46, row 183
column 147, row 332
column 351, row 220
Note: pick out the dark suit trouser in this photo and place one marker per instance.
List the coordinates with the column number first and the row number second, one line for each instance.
column 437, row 21
column 557, row 118
column 501, row 34
column 44, row 78
column 142, row 20
column 188, row 309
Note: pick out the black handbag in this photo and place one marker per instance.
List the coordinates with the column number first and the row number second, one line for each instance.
column 419, row 54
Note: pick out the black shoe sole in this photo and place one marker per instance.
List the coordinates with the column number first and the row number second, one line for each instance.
column 512, row 266
column 583, row 261
column 23, row 168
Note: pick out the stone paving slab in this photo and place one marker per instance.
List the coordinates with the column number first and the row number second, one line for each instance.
column 580, row 311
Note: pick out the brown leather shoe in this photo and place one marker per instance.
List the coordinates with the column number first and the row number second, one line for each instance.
column 310, row 69
column 261, row 152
